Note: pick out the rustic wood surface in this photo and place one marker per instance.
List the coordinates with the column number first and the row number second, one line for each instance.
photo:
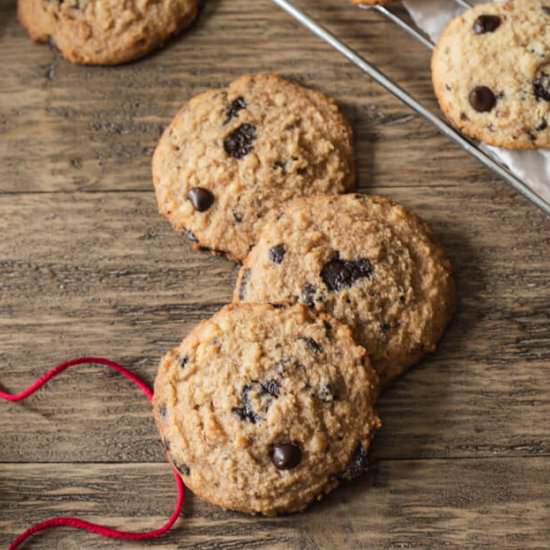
column 88, row 266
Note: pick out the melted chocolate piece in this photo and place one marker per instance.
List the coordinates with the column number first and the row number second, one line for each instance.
column 233, row 110
column 357, row 466
column 482, row 99
column 541, row 86
column 339, row 274
column 200, row 198
column 277, row 253
column 487, row 23
column 240, row 141
column 286, row 456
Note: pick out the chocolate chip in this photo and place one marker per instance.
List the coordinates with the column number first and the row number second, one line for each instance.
column 245, row 411
column 339, row 274
column 183, row 360
column 162, row 410
column 311, row 344
column 233, row 110
column 245, row 277
column 308, row 295
column 357, row 466
column 200, row 198
column 542, row 126
column 384, row 327
column 277, row 306
column 183, row 469
column 482, row 99
column 286, row 456
column 190, row 235
column 541, row 86
column 237, row 217
column 487, row 23
column 239, row 142
column 271, row 387
column 328, row 328
column 277, row 253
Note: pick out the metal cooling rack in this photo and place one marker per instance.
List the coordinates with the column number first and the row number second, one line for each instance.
column 469, row 146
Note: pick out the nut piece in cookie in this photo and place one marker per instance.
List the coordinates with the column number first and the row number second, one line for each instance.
column 264, row 409
column 491, row 73
column 247, row 149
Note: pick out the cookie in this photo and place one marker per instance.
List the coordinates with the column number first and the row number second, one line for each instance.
column 365, row 260
column 263, row 410
column 232, row 155
column 491, row 73
column 105, row 32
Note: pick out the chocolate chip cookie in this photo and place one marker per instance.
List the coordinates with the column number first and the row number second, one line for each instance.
column 491, row 73
column 263, row 410
column 105, row 32
column 365, row 260
column 232, row 155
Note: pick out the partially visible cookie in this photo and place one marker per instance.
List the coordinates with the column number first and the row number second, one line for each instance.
column 365, row 260
column 232, row 155
column 263, row 410
column 105, row 32
column 491, row 73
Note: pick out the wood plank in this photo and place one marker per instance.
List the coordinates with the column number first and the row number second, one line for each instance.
column 68, row 128
column 427, row 504
column 101, row 273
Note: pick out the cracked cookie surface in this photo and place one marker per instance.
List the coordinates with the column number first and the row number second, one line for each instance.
column 252, row 146
column 265, row 409
column 365, row 260
column 491, row 73
column 105, row 32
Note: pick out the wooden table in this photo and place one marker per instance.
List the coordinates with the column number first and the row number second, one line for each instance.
column 88, row 266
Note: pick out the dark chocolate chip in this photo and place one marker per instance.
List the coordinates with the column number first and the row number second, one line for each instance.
column 286, row 456
column 384, row 327
column 487, row 23
column 271, row 387
column 183, row 359
column 542, row 126
column 183, row 469
column 482, row 99
column 237, row 217
column 358, row 464
column 200, row 198
column 339, row 274
column 245, row 277
column 245, row 411
column 328, row 328
column 239, row 142
column 277, row 306
column 311, row 344
column 233, row 110
column 541, row 86
column 190, row 235
column 277, row 253
column 308, row 295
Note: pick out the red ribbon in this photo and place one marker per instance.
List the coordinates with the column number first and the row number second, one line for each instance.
column 78, row 523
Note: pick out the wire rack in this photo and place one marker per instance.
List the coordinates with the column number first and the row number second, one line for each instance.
column 371, row 70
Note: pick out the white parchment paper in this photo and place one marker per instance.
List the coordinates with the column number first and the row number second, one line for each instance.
column 531, row 166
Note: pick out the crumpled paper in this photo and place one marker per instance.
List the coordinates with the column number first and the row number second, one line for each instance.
column 533, row 167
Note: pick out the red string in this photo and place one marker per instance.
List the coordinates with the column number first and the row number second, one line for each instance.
column 77, row 523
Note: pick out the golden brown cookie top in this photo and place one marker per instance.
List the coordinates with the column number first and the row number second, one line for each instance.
column 232, row 155
column 367, row 261
column 263, row 409
column 105, row 32
column 491, row 73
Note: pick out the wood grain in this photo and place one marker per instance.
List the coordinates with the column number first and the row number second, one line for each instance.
column 87, row 266
column 427, row 504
